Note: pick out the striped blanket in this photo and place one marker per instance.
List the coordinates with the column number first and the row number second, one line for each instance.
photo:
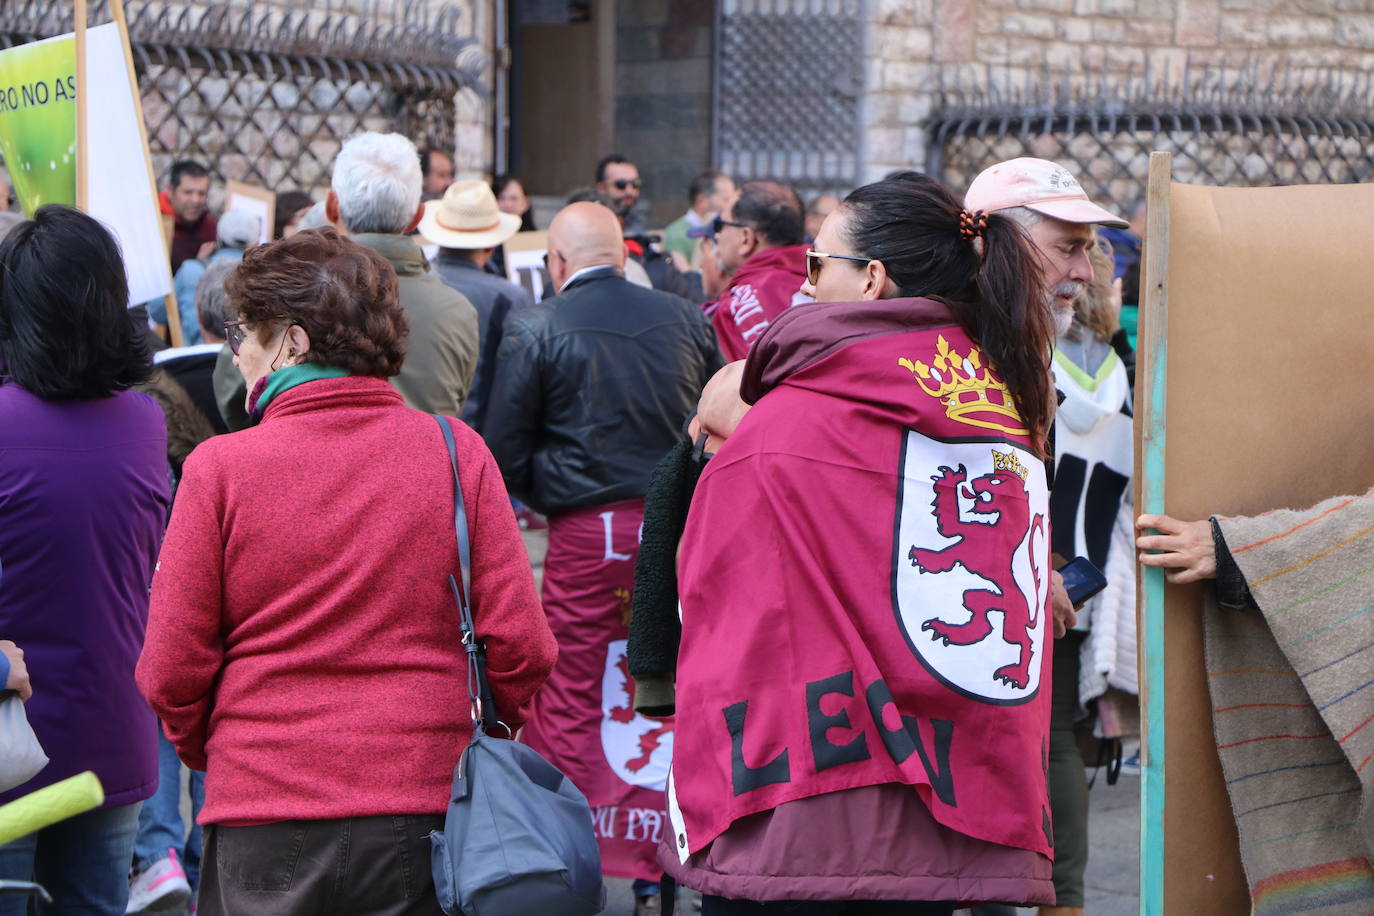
column 1293, row 705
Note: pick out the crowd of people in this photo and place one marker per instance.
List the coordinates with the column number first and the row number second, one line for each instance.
column 808, row 470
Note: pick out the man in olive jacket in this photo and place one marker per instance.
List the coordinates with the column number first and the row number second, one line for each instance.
column 375, row 197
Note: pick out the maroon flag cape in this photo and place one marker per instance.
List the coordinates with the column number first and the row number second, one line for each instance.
column 865, row 579
column 583, row 719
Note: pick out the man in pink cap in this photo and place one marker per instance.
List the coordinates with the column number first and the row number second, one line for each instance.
column 1048, row 202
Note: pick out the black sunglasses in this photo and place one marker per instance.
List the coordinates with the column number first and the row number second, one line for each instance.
column 721, row 222
column 623, row 183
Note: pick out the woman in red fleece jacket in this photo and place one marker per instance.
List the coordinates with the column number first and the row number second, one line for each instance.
column 303, row 644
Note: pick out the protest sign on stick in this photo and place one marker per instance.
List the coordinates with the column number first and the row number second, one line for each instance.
column 1255, row 334
column 253, row 199
column 38, row 122
column 525, row 261
column 71, row 131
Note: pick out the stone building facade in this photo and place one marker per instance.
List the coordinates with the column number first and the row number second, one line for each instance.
column 832, row 93
column 912, row 40
column 825, row 94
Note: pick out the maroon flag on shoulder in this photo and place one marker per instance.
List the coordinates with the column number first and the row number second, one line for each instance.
column 583, row 719
column 865, row 581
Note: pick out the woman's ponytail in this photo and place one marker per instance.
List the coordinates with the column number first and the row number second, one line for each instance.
column 1010, row 318
column 980, row 264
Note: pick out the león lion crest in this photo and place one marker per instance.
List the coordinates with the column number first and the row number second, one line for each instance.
column 971, row 564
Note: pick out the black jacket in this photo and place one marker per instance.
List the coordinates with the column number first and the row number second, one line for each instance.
column 591, row 390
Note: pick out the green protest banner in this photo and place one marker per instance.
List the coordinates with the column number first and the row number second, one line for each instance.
column 38, row 121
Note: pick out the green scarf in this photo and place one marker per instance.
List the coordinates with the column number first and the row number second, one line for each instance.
column 288, row 377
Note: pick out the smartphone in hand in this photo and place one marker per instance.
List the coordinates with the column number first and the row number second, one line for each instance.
column 1082, row 580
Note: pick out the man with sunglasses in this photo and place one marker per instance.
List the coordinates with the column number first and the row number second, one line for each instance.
column 760, row 245
column 617, row 180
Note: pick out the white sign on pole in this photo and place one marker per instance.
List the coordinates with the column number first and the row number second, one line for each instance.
column 119, row 194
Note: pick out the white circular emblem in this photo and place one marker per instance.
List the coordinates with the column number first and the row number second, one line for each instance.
column 971, row 572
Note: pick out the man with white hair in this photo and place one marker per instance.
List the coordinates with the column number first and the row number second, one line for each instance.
column 375, row 197
column 1046, row 200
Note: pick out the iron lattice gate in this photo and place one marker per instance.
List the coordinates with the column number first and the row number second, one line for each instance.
column 1239, row 126
column 788, row 84
column 267, row 92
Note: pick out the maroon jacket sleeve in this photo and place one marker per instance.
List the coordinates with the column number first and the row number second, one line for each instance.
column 510, row 620
column 727, row 334
column 183, row 652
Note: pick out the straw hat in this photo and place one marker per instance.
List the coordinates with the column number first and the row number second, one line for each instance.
column 467, row 218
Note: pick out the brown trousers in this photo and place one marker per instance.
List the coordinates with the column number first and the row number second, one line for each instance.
column 368, row 866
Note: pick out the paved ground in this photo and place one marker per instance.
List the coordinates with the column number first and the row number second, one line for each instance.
column 1113, row 878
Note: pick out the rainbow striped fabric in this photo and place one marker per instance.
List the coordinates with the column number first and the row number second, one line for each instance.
column 1293, row 701
column 1315, row 887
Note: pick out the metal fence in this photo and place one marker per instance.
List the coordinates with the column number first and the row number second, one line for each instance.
column 789, row 78
column 267, row 92
column 1242, row 125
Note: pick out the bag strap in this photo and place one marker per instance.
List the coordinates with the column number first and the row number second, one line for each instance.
column 479, row 691
column 460, row 522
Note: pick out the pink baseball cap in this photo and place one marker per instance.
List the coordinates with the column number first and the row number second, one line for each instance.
column 1040, row 185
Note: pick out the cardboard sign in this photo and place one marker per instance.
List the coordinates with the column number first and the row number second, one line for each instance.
column 1258, row 330
column 525, row 261
column 258, row 201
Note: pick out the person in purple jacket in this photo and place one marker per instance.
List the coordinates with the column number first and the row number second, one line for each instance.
column 83, row 499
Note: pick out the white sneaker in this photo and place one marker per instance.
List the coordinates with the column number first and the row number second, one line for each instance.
column 160, row 888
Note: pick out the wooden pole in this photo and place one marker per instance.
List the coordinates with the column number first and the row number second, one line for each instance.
column 1154, row 339
column 117, row 14
column 82, row 181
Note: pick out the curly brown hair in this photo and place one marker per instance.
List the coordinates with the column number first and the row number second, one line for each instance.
column 1095, row 308
column 345, row 296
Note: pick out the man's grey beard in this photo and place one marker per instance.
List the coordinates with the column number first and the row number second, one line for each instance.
column 1062, row 311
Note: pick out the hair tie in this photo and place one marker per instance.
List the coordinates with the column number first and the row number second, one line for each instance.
column 972, row 223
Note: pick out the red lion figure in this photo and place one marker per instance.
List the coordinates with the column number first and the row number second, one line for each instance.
column 985, row 549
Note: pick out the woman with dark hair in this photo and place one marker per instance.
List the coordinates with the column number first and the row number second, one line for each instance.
column 84, row 491
column 291, row 207
column 862, row 686
column 511, row 198
column 303, row 646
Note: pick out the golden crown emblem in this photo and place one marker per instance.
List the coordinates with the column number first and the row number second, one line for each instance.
column 970, row 391
column 1007, row 461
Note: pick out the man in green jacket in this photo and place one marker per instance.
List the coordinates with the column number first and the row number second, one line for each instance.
column 710, row 193
column 375, row 197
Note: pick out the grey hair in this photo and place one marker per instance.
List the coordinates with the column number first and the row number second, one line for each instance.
column 1024, row 217
column 212, row 302
column 377, row 180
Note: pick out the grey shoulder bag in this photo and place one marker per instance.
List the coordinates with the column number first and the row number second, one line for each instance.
column 517, row 837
